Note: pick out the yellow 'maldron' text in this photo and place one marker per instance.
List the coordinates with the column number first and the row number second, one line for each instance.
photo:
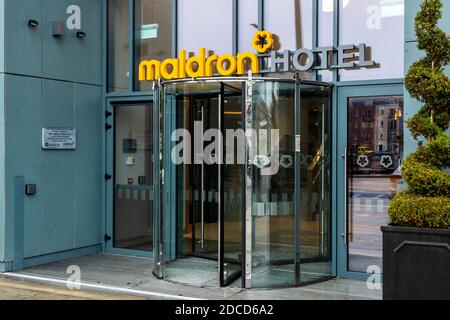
column 198, row 66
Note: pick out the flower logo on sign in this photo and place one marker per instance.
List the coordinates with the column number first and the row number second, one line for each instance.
column 261, row 161
column 363, row 161
column 386, row 161
column 286, row 161
column 263, row 41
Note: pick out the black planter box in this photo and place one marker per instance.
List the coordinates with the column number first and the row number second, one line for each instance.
column 416, row 263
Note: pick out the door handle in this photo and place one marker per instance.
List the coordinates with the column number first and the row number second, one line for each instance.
column 202, row 186
column 345, row 156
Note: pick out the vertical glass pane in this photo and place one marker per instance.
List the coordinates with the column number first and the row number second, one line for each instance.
column 195, row 111
column 370, row 22
column 153, row 33
column 291, row 23
column 325, row 32
column 273, row 195
column 118, row 45
column 205, row 23
column 315, row 175
column 233, row 176
column 205, row 180
column 375, row 149
column 133, row 180
column 248, row 24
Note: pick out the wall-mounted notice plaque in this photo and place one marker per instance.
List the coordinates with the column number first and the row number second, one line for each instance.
column 59, row 138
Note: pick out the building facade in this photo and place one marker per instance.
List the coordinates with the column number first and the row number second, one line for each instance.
column 312, row 210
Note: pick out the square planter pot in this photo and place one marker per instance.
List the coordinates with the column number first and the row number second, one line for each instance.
column 416, row 263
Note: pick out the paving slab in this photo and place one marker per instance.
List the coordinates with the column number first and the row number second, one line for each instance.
column 136, row 274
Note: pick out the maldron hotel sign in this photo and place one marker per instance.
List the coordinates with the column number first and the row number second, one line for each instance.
column 201, row 65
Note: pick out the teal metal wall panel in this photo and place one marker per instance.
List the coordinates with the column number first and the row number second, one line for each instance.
column 58, row 59
column 24, row 118
column 2, row 36
column 23, row 49
column 88, row 166
column 42, row 88
column 58, row 172
column 58, row 103
column 2, row 169
column 411, row 9
column 88, row 51
column 413, row 54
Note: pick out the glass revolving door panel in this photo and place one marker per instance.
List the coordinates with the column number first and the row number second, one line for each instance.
column 205, row 216
column 246, row 182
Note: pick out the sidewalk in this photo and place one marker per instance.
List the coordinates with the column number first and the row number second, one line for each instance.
column 24, row 290
column 114, row 274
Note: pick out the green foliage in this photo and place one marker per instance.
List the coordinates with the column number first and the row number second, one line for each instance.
column 425, row 179
column 418, row 211
column 427, row 202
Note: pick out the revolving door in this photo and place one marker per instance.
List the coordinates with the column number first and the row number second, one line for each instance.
column 244, row 181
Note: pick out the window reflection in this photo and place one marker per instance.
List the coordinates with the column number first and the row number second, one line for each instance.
column 274, row 195
column 368, row 22
column 248, row 24
column 153, row 33
column 315, row 176
column 118, row 45
column 375, row 153
column 291, row 23
column 325, row 32
column 205, row 23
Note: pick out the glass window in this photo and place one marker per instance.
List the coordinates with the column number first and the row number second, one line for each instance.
column 133, row 195
column 325, row 32
column 205, row 23
column 274, row 185
column 248, row 24
column 291, row 21
column 273, row 193
column 153, row 33
column 373, row 166
column 118, row 45
column 369, row 22
column 315, row 176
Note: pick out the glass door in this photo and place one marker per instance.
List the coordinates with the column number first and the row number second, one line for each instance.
column 133, row 178
column 244, row 185
column 371, row 149
column 230, row 182
column 205, row 179
column 129, row 177
column 202, row 210
column 272, row 221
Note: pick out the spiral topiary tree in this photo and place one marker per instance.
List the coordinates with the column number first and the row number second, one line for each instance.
column 426, row 203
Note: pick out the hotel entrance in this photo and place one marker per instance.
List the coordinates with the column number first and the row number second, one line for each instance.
column 244, row 177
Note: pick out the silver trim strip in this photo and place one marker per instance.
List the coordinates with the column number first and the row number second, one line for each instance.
column 248, row 183
column 345, row 235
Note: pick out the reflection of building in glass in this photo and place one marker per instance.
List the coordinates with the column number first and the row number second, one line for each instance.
column 376, row 130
